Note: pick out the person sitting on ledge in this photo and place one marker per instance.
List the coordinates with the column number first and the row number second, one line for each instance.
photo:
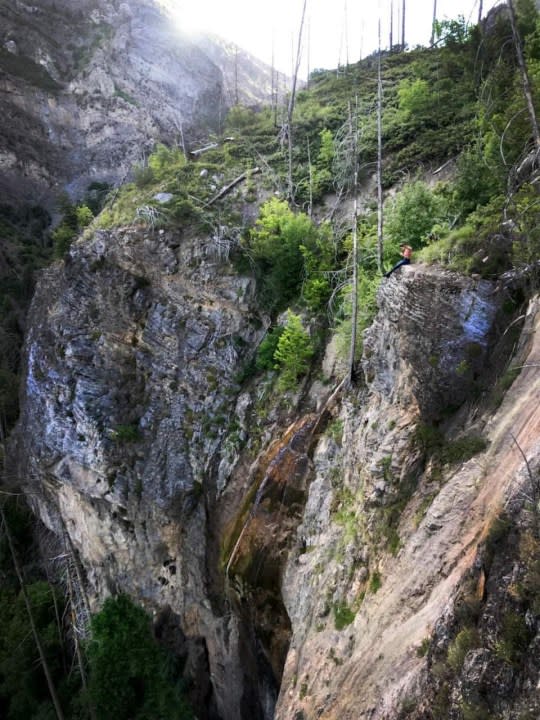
column 406, row 252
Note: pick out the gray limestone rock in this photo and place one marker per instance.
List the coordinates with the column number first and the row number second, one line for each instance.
column 90, row 100
column 130, row 387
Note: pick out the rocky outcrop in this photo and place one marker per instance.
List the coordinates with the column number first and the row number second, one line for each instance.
column 87, row 89
column 388, row 548
column 132, row 357
column 331, row 563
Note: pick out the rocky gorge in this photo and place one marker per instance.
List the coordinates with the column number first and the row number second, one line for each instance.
column 361, row 544
column 137, row 440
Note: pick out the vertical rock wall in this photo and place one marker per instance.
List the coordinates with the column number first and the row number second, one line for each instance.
column 340, row 552
column 132, row 356
column 387, row 544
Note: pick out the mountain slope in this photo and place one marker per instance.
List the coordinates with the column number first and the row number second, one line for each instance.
column 311, row 539
column 86, row 90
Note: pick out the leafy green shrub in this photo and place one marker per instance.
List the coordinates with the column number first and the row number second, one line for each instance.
column 23, row 691
column 62, row 237
column 293, row 353
column 126, row 433
column 452, row 32
column 428, row 437
column 335, row 430
column 413, row 214
column 267, row 348
column 275, row 244
column 143, row 176
column 471, row 711
column 75, row 218
column 423, row 648
column 465, row 640
column 415, row 97
column 525, row 212
column 462, row 449
column 131, row 677
column 343, row 616
column 514, row 638
column 475, row 183
column 529, row 588
column 393, row 540
column 84, row 216
column 375, row 582
column 321, row 255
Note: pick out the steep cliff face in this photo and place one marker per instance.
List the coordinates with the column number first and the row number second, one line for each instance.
column 397, row 591
column 132, row 356
column 330, row 558
column 86, row 89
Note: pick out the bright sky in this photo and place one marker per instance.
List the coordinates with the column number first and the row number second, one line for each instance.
column 335, row 28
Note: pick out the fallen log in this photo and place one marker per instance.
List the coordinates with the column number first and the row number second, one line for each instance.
column 225, row 190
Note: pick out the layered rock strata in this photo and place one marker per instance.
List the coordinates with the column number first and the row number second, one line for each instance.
column 390, row 548
column 329, row 558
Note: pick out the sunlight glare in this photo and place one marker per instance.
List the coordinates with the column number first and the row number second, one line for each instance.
column 189, row 17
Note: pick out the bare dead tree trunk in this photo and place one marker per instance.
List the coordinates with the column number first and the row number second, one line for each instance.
column 227, row 189
column 39, row 646
column 353, row 129
column 275, row 98
column 236, row 101
column 391, row 25
column 346, row 25
column 80, row 580
column 527, row 89
column 310, row 206
column 74, row 624
column 380, row 247
column 292, row 100
column 308, row 52
column 403, row 25
column 180, row 127
column 480, row 8
column 432, row 40
column 58, row 619
column 272, row 78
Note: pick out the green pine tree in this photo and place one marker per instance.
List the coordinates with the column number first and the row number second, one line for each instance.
column 293, row 352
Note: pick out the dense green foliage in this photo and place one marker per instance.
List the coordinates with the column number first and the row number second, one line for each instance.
column 267, row 349
column 293, row 352
column 23, row 690
column 131, row 677
column 275, row 244
column 75, row 219
column 24, row 248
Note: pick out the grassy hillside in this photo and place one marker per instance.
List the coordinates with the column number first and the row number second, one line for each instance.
column 459, row 102
column 458, row 105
